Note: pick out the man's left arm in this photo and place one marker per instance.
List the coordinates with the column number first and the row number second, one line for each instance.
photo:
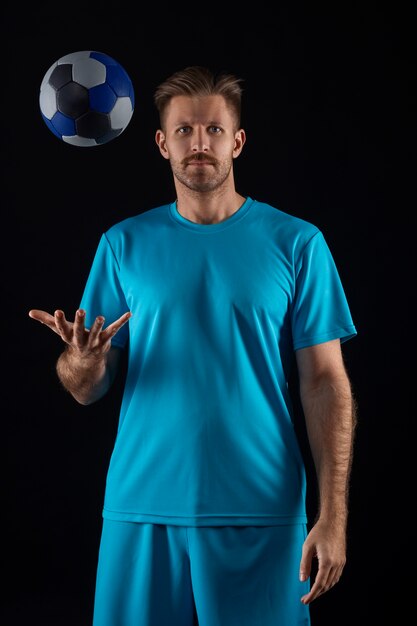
column 330, row 413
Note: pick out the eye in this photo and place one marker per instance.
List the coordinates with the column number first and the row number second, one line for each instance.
column 215, row 130
column 183, row 130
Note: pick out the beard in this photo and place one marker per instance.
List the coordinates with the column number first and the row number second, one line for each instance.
column 204, row 178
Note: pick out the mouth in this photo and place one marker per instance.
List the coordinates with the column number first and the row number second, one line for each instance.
column 199, row 162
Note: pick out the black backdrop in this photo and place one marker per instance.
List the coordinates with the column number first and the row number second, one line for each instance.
column 329, row 110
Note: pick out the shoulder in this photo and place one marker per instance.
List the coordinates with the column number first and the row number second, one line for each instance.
column 284, row 219
column 147, row 217
column 291, row 232
column 130, row 233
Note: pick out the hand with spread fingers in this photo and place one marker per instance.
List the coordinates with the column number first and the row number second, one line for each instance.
column 88, row 365
column 94, row 340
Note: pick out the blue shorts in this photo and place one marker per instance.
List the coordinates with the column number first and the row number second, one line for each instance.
column 165, row 575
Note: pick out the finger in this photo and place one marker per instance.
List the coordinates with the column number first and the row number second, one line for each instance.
column 64, row 328
column 96, row 329
column 335, row 576
column 115, row 326
column 340, row 572
column 319, row 586
column 43, row 317
column 39, row 315
column 79, row 328
column 306, row 562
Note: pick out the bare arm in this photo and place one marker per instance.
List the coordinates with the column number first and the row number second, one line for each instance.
column 88, row 365
column 330, row 414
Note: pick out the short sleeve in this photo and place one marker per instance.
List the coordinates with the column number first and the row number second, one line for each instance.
column 103, row 294
column 320, row 311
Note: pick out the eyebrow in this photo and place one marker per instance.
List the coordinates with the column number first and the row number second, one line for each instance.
column 210, row 123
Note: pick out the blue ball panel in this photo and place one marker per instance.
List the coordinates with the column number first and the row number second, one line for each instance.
column 119, row 80
column 50, row 126
column 63, row 124
column 102, row 98
column 103, row 58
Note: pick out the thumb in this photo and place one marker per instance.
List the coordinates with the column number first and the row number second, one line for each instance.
column 306, row 561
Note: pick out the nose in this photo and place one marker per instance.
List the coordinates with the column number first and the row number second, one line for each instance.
column 200, row 141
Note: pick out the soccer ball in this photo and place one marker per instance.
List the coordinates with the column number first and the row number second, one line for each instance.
column 86, row 98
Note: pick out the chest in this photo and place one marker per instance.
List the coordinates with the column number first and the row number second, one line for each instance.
column 196, row 273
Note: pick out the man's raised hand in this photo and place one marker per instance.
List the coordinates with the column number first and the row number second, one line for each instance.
column 95, row 340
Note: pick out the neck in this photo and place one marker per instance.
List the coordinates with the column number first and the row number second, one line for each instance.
column 207, row 207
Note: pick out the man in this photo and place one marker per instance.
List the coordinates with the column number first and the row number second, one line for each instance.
column 214, row 295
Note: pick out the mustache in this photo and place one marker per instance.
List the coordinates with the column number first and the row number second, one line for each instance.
column 199, row 156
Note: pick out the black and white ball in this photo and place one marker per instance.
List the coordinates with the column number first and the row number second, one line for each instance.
column 86, row 98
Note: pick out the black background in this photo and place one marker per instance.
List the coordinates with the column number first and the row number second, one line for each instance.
column 329, row 112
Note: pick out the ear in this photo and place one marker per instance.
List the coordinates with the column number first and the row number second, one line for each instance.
column 161, row 142
column 240, row 138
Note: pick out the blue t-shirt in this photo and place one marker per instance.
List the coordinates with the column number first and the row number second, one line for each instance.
column 205, row 434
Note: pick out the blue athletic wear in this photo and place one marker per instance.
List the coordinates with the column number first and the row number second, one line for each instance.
column 205, row 435
column 162, row 575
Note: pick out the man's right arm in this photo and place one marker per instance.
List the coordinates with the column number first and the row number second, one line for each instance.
column 88, row 365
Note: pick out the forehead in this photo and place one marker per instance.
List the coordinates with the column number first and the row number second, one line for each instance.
column 198, row 110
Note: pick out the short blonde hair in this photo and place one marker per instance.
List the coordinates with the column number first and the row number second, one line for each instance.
column 196, row 80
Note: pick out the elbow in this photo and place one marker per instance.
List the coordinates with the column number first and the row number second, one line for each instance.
column 86, row 399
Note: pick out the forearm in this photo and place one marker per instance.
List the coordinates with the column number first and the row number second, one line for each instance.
column 86, row 378
column 330, row 415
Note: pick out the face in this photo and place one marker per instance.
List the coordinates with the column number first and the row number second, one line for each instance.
column 200, row 140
